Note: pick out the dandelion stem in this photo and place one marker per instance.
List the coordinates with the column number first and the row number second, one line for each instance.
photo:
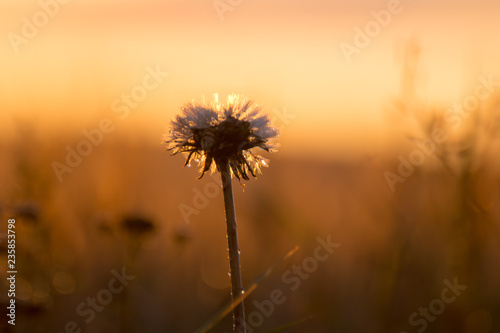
column 234, row 252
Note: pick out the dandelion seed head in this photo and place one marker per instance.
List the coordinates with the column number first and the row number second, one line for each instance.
column 213, row 133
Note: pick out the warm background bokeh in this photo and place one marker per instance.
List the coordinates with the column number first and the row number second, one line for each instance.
column 349, row 123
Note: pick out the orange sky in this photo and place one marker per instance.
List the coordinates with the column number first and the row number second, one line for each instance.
column 283, row 54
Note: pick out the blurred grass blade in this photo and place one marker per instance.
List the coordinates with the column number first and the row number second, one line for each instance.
column 227, row 309
column 290, row 325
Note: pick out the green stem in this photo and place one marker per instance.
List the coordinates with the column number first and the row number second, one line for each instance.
column 239, row 324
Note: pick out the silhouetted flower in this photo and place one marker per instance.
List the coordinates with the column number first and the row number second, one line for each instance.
column 214, row 134
column 3, row 243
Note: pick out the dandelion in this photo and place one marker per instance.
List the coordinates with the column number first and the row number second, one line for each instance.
column 214, row 134
column 224, row 137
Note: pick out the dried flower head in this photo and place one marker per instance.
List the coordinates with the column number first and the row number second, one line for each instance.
column 215, row 133
column 137, row 225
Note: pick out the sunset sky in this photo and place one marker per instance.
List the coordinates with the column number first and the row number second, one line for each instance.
column 285, row 55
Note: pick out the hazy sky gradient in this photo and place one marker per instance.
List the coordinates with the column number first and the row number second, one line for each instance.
column 283, row 54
